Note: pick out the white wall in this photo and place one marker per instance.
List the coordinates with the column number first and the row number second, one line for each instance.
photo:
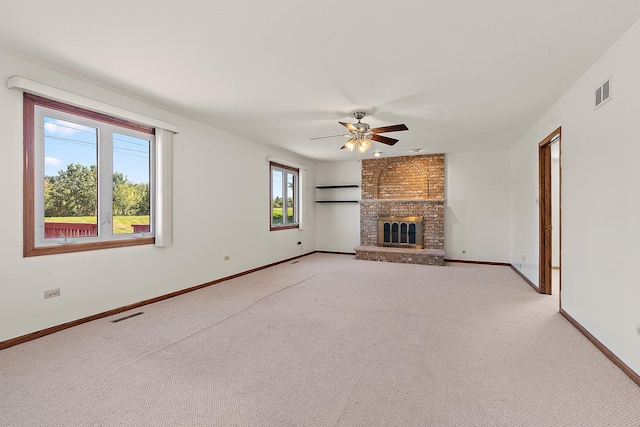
column 600, row 199
column 338, row 224
column 221, row 207
column 477, row 210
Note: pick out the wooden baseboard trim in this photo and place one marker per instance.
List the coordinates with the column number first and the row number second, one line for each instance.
column 525, row 278
column 336, row 253
column 635, row 377
column 38, row 334
column 465, row 261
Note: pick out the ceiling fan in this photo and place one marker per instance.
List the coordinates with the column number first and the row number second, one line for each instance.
column 361, row 134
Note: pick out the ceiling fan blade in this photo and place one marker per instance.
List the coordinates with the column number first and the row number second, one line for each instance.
column 330, row 136
column 384, row 139
column 349, row 126
column 393, row 128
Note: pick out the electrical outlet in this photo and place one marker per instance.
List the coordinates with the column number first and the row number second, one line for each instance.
column 226, row 257
column 52, row 293
column 523, row 258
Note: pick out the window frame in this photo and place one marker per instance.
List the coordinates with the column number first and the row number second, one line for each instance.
column 30, row 244
column 296, row 196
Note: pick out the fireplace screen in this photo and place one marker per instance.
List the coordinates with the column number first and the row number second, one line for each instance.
column 400, row 231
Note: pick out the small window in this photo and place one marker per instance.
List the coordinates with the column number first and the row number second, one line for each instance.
column 88, row 181
column 284, row 197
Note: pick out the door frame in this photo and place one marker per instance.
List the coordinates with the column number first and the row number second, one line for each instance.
column 544, row 203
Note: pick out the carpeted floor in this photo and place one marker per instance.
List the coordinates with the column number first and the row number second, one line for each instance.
column 326, row 341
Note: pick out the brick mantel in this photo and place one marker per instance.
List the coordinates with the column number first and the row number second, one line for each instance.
column 403, row 201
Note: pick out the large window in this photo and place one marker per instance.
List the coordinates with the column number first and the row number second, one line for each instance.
column 284, row 197
column 88, row 180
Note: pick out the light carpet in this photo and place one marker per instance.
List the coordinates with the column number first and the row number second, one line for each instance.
column 326, row 341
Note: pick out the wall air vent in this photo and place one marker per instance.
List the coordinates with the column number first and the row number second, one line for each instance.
column 603, row 94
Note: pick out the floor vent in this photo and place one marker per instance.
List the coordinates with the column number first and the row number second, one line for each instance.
column 603, row 94
column 127, row 317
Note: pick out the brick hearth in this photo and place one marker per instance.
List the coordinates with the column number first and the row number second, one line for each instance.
column 407, row 256
column 403, row 186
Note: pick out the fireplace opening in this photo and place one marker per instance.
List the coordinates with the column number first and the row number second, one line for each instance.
column 400, row 231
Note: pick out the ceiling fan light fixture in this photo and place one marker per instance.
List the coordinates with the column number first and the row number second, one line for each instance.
column 350, row 144
column 363, row 145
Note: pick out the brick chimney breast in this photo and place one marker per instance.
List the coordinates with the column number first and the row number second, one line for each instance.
column 403, row 186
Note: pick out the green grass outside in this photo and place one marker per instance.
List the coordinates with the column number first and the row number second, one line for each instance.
column 276, row 214
column 121, row 224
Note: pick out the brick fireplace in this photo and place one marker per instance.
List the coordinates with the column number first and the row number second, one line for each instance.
column 403, row 187
column 400, row 231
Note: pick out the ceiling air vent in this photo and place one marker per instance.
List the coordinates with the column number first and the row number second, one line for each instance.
column 603, row 94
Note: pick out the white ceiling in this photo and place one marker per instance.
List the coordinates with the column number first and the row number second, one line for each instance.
column 462, row 75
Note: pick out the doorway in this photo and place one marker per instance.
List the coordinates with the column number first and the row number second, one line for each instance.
column 550, row 204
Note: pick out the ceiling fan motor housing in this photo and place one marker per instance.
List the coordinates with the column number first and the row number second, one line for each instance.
column 362, row 127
